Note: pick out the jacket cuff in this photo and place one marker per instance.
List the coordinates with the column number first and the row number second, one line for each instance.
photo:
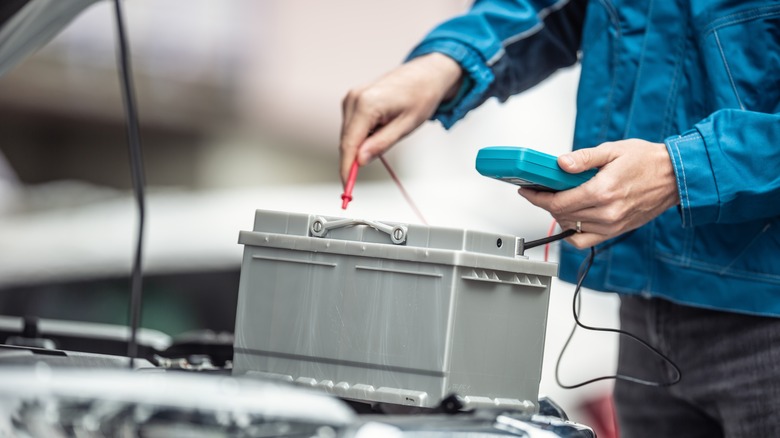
column 474, row 85
column 699, row 201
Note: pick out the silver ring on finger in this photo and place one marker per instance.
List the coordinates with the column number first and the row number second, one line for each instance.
column 578, row 227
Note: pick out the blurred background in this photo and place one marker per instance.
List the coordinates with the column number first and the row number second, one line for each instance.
column 240, row 109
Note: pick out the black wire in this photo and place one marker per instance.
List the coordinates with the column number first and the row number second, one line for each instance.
column 576, row 306
column 137, row 175
column 546, row 240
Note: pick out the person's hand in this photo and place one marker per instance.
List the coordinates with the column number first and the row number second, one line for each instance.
column 634, row 184
column 377, row 115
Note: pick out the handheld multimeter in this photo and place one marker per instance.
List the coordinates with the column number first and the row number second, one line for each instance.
column 528, row 168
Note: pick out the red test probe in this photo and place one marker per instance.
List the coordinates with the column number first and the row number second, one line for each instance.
column 346, row 197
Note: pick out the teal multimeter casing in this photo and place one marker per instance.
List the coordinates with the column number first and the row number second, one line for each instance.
column 528, row 168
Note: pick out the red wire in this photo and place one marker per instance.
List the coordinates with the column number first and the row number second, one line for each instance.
column 346, row 197
column 403, row 191
column 549, row 233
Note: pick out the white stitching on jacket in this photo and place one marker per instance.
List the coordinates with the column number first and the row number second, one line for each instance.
column 685, row 201
column 728, row 70
column 749, row 15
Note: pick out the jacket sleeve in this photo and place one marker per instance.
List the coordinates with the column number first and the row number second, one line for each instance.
column 505, row 47
column 728, row 168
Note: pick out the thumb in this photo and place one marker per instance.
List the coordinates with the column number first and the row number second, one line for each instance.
column 584, row 159
column 382, row 139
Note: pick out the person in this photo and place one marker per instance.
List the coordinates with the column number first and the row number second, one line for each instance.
column 678, row 107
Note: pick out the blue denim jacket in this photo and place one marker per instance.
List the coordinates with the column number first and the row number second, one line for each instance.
column 701, row 76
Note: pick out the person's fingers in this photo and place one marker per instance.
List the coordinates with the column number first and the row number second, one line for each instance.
column 348, row 109
column 586, row 240
column 635, row 183
column 378, row 115
column 602, row 188
column 384, row 137
column 612, row 214
column 587, row 158
column 585, row 226
column 536, row 197
column 354, row 133
column 600, row 220
column 561, row 204
column 586, row 195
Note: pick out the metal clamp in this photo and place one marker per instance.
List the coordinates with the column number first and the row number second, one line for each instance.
column 320, row 227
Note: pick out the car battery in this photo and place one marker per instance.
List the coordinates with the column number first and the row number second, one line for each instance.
column 392, row 313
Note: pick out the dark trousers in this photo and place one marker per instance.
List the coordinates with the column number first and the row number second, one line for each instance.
column 730, row 372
